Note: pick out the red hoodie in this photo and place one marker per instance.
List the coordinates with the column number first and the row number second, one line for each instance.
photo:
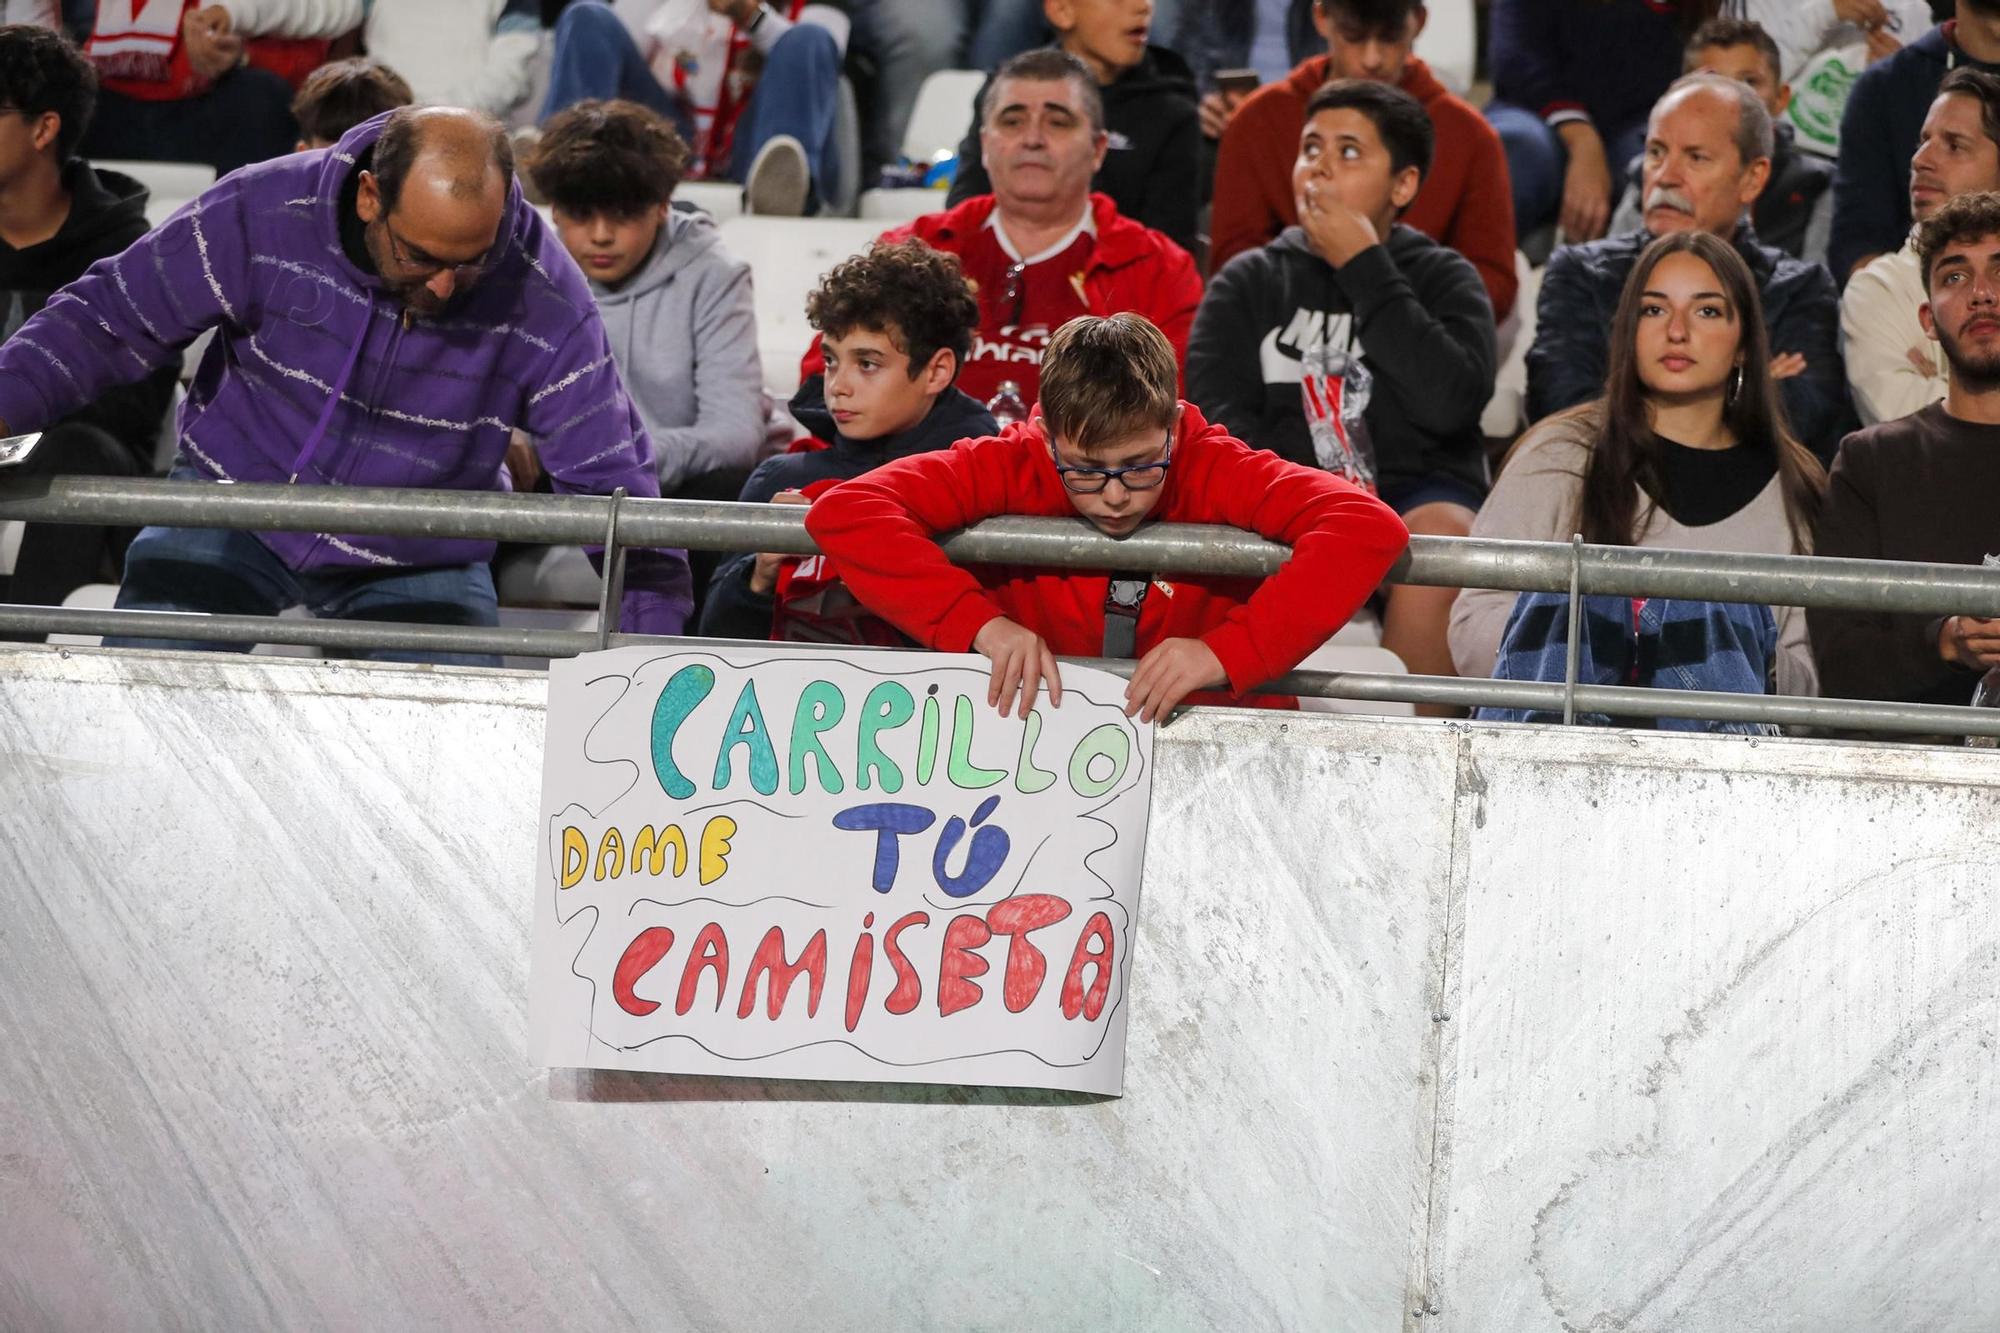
column 1131, row 267
column 1465, row 202
column 880, row 528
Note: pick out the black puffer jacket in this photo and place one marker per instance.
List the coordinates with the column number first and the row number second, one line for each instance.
column 732, row 610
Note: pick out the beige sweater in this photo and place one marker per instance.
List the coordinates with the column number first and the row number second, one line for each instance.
column 1535, row 500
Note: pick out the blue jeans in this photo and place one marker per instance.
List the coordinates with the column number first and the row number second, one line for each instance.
column 1536, row 161
column 232, row 573
column 594, row 56
column 796, row 94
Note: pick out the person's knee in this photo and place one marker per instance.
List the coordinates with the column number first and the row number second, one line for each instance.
column 807, row 51
column 1439, row 518
column 589, row 26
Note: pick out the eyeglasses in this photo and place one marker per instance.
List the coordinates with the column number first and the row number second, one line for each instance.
column 425, row 266
column 1138, row 477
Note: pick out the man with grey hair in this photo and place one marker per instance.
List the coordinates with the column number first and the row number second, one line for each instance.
column 1042, row 249
column 1707, row 158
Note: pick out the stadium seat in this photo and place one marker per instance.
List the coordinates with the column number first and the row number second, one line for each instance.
column 1336, row 656
column 938, row 121
column 1506, row 410
column 788, row 257
column 721, row 200
column 169, row 184
column 1449, row 42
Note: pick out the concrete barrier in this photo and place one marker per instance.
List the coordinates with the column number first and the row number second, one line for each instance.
column 1480, row 1028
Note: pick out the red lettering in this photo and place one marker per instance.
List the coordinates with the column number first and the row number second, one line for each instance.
column 1074, row 1000
column 909, row 989
column 956, row 989
column 1026, row 967
column 648, row 947
column 858, row 972
column 770, row 957
column 711, row 952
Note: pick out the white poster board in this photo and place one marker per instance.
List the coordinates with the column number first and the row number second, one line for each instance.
column 793, row 863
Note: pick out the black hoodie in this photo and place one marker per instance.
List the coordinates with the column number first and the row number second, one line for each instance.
column 1152, row 170
column 1417, row 313
column 732, row 610
column 107, row 212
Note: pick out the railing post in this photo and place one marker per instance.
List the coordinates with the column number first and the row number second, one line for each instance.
column 613, row 590
column 1575, row 622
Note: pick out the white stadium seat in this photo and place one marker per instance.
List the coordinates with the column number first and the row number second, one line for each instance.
column 787, row 258
column 1449, row 42
column 939, row 120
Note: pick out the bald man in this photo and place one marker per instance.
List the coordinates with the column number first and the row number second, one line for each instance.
column 387, row 313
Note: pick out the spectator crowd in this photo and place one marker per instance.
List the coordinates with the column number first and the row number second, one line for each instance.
column 1697, row 275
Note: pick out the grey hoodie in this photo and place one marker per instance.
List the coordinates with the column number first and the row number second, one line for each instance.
column 684, row 334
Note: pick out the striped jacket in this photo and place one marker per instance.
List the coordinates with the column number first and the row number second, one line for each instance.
column 303, row 334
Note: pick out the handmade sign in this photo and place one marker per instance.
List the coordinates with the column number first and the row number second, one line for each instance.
column 836, row 865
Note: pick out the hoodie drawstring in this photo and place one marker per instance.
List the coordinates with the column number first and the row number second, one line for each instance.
column 319, row 429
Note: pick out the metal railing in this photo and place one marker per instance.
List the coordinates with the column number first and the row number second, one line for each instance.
column 618, row 523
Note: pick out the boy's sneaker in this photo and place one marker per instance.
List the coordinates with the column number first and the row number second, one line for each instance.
column 779, row 181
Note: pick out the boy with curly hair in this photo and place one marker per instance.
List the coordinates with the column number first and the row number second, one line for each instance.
column 896, row 324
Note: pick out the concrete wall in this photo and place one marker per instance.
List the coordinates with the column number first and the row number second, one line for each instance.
column 1480, row 1028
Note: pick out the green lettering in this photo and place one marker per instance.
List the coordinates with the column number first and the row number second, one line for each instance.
column 746, row 728
column 888, row 705
column 820, row 706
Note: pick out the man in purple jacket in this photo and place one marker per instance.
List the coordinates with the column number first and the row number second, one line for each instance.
column 386, row 312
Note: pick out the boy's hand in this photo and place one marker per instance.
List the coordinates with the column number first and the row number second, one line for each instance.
column 1021, row 662
column 1337, row 232
column 764, row 572
column 1168, row 674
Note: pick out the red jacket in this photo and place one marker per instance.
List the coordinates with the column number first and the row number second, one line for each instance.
column 1465, row 201
column 1132, row 267
column 879, row 530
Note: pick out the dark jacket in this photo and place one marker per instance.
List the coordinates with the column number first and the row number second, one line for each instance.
column 1419, row 316
column 1580, row 290
column 732, row 610
column 1152, row 169
column 1917, row 488
column 107, row 212
column 1885, row 110
column 1217, row 34
column 1610, row 59
column 1784, row 211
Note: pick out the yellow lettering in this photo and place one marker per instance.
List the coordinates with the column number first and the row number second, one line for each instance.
column 610, row 852
column 715, row 836
column 645, row 844
column 575, row 856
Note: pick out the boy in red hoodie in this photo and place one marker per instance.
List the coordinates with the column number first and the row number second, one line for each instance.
column 1112, row 442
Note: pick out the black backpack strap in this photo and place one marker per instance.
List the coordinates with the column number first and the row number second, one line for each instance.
column 1124, row 597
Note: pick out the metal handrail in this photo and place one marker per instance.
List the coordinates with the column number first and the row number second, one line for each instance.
column 1170, row 548
column 1811, row 582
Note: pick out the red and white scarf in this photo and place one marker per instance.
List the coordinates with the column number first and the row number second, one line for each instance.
column 134, row 39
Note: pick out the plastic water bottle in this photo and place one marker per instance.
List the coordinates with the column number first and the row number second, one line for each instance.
column 1007, row 406
column 1336, row 388
column 1987, row 695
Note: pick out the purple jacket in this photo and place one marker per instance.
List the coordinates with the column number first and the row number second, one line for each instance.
column 421, row 402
